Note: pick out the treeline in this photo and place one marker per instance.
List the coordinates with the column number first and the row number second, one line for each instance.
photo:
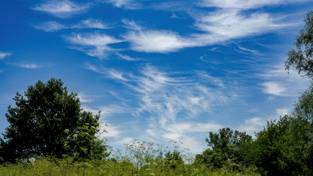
column 283, row 147
column 48, row 121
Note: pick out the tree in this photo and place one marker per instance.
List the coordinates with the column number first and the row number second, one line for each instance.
column 173, row 159
column 281, row 148
column 227, row 149
column 301, row 58
column 48, row 120
column 285, row 147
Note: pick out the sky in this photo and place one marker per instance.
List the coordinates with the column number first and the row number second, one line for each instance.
column 162, row 71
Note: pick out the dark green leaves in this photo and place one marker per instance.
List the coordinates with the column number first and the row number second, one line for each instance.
column 48, row 120
column 301, row 58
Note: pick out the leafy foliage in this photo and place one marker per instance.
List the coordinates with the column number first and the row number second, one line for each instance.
column 301, row 57
column 226, row 149
column 48, row 120
column 66, row 167
column 173, row 160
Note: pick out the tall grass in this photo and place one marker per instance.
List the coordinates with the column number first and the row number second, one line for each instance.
column 66, row 167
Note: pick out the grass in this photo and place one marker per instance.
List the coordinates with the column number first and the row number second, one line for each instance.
column 52, row 167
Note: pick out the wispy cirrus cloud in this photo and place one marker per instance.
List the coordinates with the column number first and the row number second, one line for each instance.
column 173, row 104
column 213, row 28
column 53, row 26
column 61, row 8
column 92, row 44
column 90, row 24
column 278, row 82
column 127, row 4
column 166, row 97
column 4, row 55
column 183, row 135
column 50, row 26
column 84, row 98
column 247, row 4
column 256, row 124
column 30, row 66
column 274, row 88
column 221, row 26
column 107, row 131
column 158, row 41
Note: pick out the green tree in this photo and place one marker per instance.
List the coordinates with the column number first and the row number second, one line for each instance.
column 301, row 58
column 173, row 159
column 227, row 149
column 48, row 120
column 285, row 147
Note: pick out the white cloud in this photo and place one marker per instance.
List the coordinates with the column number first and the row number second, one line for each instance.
column 193, row 127
column 125, row 140
column 109, row 73
column 53, row 26
column 217, row 82
column 84, row 98
column 4, row 55
column 278, row 82
column 108, row 131
column 256, row 124
column 156, row 41
column 117, row 75
column 245, row 4
column 61, row 8
column 126, row 57
column 93, row 44
column 282, row 111
column 107, row 110
column 50, row 26
column 215, row 27
column 165, row 97
column 273, row 88
column 183, row 135
column 221, row 26
column 30, row 66
column 184, row 142
column 127, row 4
column 90, row 24
column 253, row 125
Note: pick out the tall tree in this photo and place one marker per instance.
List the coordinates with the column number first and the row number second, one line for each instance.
column 301, row 58
column 227, row 149
column 48, row 120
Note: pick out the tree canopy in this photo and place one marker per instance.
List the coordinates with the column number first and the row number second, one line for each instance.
column 48, row 120
column 301, row 57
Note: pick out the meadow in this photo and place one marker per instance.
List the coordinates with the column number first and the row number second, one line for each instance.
column 64, row 167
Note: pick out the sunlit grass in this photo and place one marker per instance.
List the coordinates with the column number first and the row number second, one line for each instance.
column 52, row 167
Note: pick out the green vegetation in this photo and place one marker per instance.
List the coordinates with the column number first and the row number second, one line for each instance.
column 49, row 134
column 109, row 168
column 47, row 120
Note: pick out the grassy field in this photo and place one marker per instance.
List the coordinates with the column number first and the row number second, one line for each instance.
column 45, row 167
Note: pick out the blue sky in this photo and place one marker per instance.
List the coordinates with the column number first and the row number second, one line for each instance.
column 161, row 71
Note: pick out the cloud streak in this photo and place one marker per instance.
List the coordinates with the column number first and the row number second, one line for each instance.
column 61, row 8
column 4, row 55
column 92, row 44
column 53, row 26
column 278, row 82
column 127, row 4
column 214, row 28
column 245, row 4
column 29, row 66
